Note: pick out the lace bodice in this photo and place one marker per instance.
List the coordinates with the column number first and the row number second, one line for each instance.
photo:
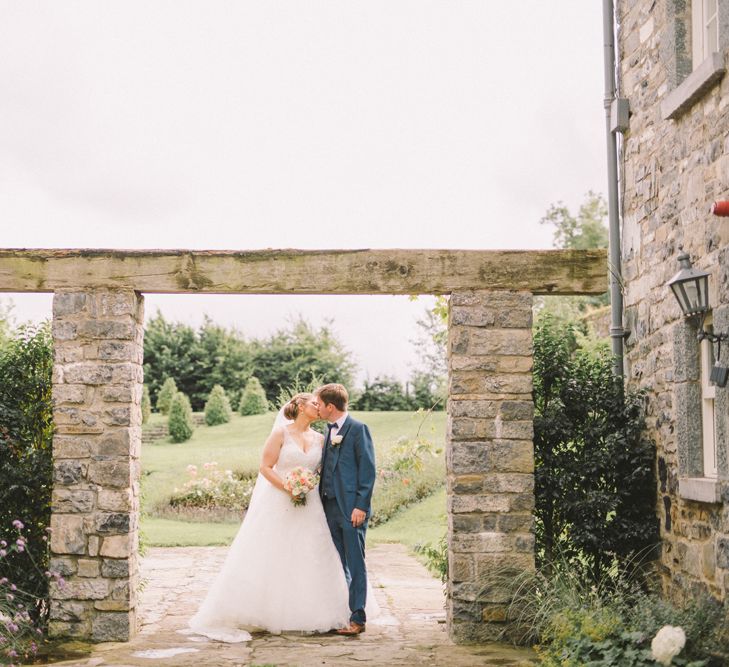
column 292, row 456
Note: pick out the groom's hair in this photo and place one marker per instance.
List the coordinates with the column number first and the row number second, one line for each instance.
column 334, row 394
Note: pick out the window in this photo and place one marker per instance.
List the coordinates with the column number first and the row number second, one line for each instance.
column 708, row 394
column 694, row 58
column 704, row 30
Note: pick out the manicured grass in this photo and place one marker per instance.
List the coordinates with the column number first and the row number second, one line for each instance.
column 237, row 446
column 165, row 533
column 420, row 523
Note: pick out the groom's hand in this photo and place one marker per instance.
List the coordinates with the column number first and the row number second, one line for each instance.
column 358, row 517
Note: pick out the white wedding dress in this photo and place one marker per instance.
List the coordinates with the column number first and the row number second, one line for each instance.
column 282, row 571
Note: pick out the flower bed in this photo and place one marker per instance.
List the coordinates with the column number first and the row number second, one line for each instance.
column 213, row 495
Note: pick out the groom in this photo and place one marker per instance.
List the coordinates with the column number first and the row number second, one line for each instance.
column 347, row 479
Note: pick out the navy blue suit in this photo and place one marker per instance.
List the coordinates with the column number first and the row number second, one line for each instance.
column 348, row 472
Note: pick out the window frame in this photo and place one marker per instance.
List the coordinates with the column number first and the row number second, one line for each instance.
column 701, row 42
column 708, row 406
column 693, row 69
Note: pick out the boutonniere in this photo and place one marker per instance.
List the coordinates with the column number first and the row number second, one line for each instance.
column 337, row 440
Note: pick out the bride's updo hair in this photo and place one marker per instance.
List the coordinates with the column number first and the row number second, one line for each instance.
column 291, row 409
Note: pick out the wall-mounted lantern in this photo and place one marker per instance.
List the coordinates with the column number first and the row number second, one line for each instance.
column 691, row 288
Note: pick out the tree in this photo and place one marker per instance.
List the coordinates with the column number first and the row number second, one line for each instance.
column 146, row 405
column 165, row 396
column 585, row 230
column 217, row 407
column 300, row 354
column 253, row 399
column 169, row 352
column 429, row 377
column 594, row 482
column 383, row 393
column 223, row 357
column 180, row 423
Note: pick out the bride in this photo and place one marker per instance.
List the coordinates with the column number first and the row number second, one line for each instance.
column 282, row 571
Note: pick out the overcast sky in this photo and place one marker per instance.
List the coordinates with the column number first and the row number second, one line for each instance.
column 296, row 124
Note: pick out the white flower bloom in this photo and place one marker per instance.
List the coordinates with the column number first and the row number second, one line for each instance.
column 337, row 439
column 667, row 644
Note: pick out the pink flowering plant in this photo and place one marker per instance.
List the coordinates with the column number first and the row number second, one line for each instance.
column 299, row 482
column 22, row 612
column 213, row 489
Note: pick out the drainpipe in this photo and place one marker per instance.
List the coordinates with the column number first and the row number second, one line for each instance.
column 616, row 113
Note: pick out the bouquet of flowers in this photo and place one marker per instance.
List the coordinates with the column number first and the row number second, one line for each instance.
column 299, row 482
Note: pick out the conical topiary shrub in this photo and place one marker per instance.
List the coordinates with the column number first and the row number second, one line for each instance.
column 165, row 396
column 180, row 423
column 217, row 407
column 146, row 405
column 253, row 400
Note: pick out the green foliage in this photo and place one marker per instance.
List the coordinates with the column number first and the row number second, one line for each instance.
column 595, row 487
column 383, row 393
column 428, row 391
column 212, row 355
column 436, row 557
column 165, row 396
column 585, row 230
column 217, row 407
column 23, row 612
column 146, row 405
column 413, row 469
column 7, row 321
column 428, row 381
column 300, row 354
column 26, row 431
column 253, row 400
column 608, row 632
column 197, row 359
column 180, row 423
column 611, row 622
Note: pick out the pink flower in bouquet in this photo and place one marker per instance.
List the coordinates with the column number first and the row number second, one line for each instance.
column 299, row 482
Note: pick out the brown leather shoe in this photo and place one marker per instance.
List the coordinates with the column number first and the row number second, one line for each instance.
column 352, row 629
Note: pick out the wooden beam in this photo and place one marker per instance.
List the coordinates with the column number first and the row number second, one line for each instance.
column 305, row 271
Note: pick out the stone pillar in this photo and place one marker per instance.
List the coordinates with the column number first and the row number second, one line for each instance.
column 97, row 389
column 490, row 455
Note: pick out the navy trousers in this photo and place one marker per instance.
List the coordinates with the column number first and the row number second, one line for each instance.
column 350, row 544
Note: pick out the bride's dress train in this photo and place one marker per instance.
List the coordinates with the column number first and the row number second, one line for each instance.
column 282, row 571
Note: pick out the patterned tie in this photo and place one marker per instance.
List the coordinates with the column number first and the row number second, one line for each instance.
column 329, row 432
column 327, row 471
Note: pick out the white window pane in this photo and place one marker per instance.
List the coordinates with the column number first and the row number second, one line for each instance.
column 711, row 27
column 708, row 392
column 697, row 32
column 712, row 36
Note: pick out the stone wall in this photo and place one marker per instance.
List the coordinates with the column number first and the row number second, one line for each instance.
column 490, row 455
column 674, row 165
column 97, row 389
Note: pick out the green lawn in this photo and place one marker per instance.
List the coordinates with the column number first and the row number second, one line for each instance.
column 417, row 524
column 237, row 446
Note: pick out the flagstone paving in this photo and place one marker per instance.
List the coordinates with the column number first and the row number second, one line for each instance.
column 410, row 631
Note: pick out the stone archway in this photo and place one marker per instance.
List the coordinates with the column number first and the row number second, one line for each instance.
column 98, row 319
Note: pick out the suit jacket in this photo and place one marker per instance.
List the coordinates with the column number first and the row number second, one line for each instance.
column 354, row 467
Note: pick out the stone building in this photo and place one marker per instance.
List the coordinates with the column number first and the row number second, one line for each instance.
column 674, row 162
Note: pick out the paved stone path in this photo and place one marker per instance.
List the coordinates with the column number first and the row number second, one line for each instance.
column 410, row 631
